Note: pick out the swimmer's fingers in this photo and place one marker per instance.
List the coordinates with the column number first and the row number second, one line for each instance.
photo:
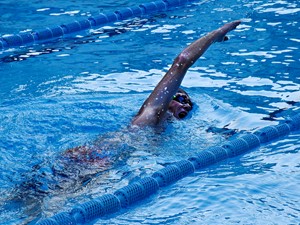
column 222, row 31
column 230, row 26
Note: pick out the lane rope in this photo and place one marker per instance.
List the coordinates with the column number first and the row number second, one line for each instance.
column 147, row 186
column 50, row 33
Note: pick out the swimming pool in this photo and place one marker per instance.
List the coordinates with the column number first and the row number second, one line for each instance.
column 64, row 94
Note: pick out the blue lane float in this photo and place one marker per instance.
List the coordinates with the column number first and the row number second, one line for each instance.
column 147, row 186
column 44, row 35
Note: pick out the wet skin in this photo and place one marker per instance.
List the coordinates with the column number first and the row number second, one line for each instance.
column 153, row 111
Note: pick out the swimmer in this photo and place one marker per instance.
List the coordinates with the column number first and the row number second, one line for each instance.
column 166, row 100
column 76, row 167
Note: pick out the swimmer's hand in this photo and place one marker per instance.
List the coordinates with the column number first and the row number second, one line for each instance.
column 222, row 31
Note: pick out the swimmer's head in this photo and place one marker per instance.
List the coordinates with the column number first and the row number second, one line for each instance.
column 181, row 104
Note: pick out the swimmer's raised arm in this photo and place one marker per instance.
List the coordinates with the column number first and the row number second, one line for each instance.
column 157, row 104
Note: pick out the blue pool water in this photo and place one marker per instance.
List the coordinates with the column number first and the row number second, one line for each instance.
column 70, row 92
